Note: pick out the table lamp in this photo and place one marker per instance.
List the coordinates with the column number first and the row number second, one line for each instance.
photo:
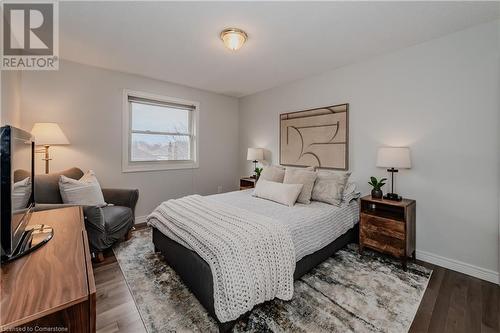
column 393, row 158
column 255, row 155
column 46, row 135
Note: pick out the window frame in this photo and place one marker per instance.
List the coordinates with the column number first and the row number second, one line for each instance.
column 138, row 166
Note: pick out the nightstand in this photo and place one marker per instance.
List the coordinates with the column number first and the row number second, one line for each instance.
column 246, row 183
column 388, row 226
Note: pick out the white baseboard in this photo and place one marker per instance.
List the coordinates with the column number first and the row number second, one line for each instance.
column 459, row 266
column 140, row 219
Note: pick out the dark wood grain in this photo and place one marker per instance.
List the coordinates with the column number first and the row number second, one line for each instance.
column 455, row 302
column 58, row 277
column 388, row 226
column 490, row 301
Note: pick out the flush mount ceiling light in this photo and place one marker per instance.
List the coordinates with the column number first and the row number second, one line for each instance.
column 233, row 38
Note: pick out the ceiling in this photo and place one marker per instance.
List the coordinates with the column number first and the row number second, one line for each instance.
column 179, row 41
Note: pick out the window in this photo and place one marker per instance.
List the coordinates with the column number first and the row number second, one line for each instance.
column 159, row 132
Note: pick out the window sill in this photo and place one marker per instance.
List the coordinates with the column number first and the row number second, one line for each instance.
column 144, row 167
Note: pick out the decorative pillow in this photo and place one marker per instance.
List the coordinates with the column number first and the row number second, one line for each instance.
column 21, row 193
column 301, row 176
column 285, row 194
column 273, row 173
column 85, row 191
column 330, row 186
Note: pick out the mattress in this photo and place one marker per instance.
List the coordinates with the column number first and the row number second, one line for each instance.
column 312, row 226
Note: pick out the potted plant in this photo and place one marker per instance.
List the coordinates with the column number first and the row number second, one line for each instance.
column 377, row 185
column 258, row 171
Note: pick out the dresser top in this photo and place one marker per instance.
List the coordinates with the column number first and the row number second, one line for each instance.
column 52, row 277
column 403, row 203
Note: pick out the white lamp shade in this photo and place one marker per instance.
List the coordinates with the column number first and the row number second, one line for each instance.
column 394, row 157
column 48, row 134
column 255, row 154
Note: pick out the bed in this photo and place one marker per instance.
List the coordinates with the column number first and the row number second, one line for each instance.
column 317, row 230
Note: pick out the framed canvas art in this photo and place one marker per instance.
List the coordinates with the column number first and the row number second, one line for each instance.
column 316, row 137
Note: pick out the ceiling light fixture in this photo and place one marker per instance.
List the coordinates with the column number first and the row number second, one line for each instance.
column 233, row 38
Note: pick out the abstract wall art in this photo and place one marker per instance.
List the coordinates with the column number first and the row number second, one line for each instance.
column 316, row 137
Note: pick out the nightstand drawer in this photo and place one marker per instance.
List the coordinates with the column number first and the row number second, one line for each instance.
column 382, row 225
column 247, row 183
column 383, row 243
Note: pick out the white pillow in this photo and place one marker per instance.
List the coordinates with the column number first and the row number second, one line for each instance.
column 329, row 186
column 305, row 177
column 285, row 194
column 86, row 191
column 273, row 173
column 21, row 193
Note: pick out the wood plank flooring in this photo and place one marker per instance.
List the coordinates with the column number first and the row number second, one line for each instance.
column 453, row 302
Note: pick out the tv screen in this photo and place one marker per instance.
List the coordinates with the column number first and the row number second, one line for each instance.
column 16, row 176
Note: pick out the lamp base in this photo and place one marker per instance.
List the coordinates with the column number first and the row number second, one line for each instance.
column 393, row 197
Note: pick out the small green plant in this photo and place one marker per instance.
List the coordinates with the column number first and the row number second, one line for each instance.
column 258, row 171
column 377, row 184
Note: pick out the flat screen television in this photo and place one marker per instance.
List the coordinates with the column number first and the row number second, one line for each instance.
column 17, row 188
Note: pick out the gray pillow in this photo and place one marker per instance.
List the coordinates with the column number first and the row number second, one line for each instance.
column 329, row 186
column 273, row 173
column 304, row 177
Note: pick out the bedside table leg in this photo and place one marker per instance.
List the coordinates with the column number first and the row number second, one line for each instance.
column 360, row 249
column 404, row 263
column 414, row 255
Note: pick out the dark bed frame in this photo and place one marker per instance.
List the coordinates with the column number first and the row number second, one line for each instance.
column 196, row 273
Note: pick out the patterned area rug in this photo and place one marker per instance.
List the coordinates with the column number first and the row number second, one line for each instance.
column 346, row 293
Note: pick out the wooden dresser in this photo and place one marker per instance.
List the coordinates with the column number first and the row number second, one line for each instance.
column 388, row 226
column 52, row 287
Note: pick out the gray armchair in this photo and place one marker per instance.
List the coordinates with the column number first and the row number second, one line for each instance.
column 105, row 225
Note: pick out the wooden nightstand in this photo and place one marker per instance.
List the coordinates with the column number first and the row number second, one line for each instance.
column 388, row 226
column 246, row 183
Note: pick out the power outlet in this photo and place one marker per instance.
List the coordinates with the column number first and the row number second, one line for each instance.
column 219, row 189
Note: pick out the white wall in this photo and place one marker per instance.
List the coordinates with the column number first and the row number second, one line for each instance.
column 441, row 99
column 87, row 103
column 10, row 113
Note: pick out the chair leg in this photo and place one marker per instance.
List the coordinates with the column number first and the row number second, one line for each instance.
column 129, row 234
column 99, row 257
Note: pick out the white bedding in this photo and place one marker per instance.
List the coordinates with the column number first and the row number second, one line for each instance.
column 251, row 257
column 311, row 226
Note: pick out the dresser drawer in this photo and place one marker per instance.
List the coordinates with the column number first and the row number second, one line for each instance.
column 381, row 242
column 376, row 224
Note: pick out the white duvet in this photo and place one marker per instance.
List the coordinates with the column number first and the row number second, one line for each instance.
column 312, row 226
column 251, row 257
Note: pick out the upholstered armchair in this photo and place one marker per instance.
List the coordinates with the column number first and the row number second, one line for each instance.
column 105, row 225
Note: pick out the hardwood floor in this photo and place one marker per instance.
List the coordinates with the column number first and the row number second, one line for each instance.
column 116, row 310
column 453, row 302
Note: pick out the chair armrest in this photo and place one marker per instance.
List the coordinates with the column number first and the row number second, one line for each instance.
column 94, row 218
column 121, row 197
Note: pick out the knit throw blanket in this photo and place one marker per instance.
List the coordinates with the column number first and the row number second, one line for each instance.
column 251, row 257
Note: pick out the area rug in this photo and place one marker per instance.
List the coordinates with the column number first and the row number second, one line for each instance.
column 346, row 293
